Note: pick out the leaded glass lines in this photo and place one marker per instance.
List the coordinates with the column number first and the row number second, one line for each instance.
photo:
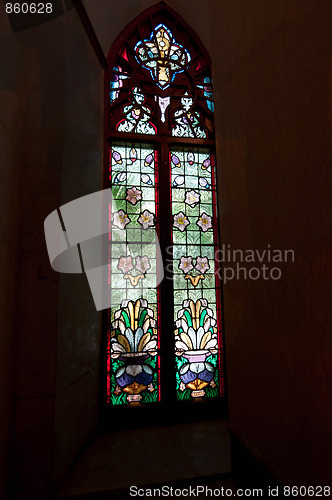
column 161, row 83
column 133, row 333
column 198, row 340
column 164, row 338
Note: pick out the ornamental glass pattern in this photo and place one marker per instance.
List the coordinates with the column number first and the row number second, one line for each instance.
column 195, row 280
column 160, row 147
column 133, row 357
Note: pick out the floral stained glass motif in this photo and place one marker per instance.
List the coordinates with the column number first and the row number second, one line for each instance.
column 133, row 351
column 133, row 333
column 133, row 195
column 125, row 264
column 186, row 265
column 197, row 314
column 196, row 347
column 146, row 219
column 163, row 102
column 120, row 219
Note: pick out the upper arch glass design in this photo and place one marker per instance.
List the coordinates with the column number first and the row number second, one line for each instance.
column 162, row 56
column 161, row 83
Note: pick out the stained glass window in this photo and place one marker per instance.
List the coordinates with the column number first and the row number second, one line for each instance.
column 195, row 280
column 133, row 333
column 161, row 167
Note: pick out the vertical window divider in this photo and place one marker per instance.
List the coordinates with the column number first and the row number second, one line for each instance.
column 167, row 299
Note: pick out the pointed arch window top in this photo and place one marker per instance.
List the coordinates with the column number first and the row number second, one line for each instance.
column 162, row 55
column 160, row 81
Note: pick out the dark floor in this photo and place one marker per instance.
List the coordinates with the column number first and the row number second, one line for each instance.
column 180, row 456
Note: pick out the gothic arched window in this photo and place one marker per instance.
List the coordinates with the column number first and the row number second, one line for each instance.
column 164, row 342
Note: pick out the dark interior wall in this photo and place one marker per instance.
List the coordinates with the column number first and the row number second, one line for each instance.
column 8, row 258
column 272, row 75
column 79, row 324
column 52, row 119
column 30, row 188
column 272, row 85
column 109, row 18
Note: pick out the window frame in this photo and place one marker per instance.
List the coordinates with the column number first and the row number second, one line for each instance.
column 158, row 412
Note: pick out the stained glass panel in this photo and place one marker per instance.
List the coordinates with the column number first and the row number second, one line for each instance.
column 187, row 120
column 137, row 116
column 116, row 82
column 133, row 358
column 162, row 55
column 197, row 314
column 161, row 83
column 160, row 92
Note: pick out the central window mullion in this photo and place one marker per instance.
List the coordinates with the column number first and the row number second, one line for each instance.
column 166, row 288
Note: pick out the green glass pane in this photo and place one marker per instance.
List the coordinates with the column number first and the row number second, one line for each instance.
column 193, row 197
column 179, row 237
column 193, row 237
column 207, row 237
column 133, row 271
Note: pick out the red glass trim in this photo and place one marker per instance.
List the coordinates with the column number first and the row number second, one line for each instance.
column 124, row 54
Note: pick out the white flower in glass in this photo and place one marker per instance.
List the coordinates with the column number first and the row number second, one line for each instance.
column 120, row 219
column 180, row 221
column 186, row 264
column 125, row 264
column 202, row 264
column 133, row 195
column 142, row 264
column 146, row 219
column 204, row 222
column 192, row 198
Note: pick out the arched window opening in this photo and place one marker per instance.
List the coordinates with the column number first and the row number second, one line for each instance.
column 164, row 342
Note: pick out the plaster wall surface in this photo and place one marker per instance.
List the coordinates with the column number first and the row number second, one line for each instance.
column 51, row 119
column 272, row 76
